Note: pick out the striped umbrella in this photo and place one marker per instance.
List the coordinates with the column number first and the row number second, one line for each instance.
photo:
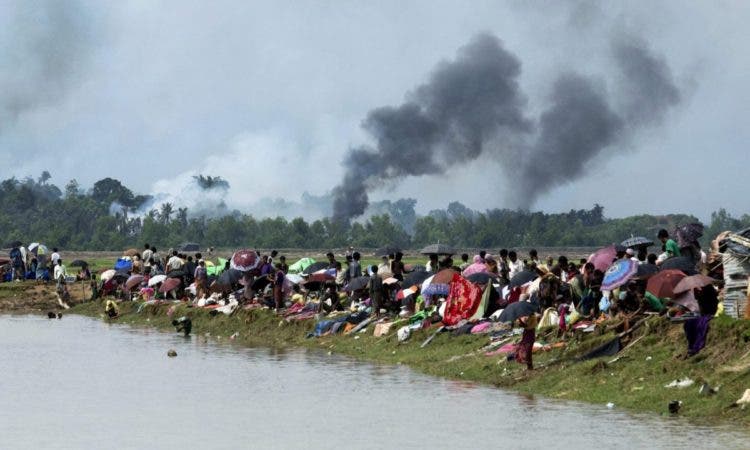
column 619, row 273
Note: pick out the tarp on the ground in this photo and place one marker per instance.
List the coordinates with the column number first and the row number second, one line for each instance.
column 300, row 265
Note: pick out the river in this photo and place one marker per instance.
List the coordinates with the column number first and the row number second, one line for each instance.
column 82, row 383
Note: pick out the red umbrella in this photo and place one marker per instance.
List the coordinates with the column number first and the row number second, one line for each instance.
column 320, row 277
column 169, row 284
column 443, row 277
column 603, row 258
column 133, row 281
column 663, row 283
column 692, row 282
column 244, row 260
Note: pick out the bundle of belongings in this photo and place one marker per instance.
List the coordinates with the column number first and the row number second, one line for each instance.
column 735, row 250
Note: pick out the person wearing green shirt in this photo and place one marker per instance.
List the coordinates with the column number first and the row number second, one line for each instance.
column 670, row 246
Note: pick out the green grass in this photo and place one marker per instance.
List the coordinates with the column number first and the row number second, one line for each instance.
column 634, row 382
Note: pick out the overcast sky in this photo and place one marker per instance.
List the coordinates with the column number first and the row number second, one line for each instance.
column 271, row 95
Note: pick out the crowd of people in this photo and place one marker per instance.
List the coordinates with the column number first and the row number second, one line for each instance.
column 491, row 290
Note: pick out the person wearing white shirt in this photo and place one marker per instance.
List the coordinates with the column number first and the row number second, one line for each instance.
column 55, row 256
column 175, row 262
column 60, row 270
column 147, row 253
column 515, row 265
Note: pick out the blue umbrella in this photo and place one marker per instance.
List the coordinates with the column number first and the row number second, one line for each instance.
column 618, row 273
column 123, row 264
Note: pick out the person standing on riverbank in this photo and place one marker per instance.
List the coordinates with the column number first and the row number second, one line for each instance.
column 201, row 278
column 376, row 291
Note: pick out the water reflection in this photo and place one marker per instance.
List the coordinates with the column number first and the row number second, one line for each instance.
column 115, row 384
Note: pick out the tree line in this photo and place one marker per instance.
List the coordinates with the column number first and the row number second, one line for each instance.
column 103, row 218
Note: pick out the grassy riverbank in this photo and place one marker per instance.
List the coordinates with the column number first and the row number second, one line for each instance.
column 635, row 381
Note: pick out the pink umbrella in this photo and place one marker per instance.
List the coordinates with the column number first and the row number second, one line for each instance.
column 133, row 281
column 244, row 260
column 474, row 268
column 603, row 258
column 169, row 284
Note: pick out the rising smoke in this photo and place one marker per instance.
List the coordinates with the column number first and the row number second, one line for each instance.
column 45, row 46
column 473, row 106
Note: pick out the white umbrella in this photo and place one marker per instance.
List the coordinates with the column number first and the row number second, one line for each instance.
column 107, row 274
column 156, row 279
column 38, row 249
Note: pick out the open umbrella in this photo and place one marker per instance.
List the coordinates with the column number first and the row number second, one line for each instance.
column 663, row 283
column 474, row 268
column 357, row 284
column 603, row 258
column 314, row 267
column 131, row 252
column 294, row 278
column 79, row 263
column 444, row 276
column 38, row 249
column 619, row 273
column 522, row 278
column 133, row 281
column 692, row 282
column 107, row 275
column 637, row 241
column 169, row 284
column 518, row 309
column 687, row 299
column 13, row 244
column 645, row 270
column 156, row 279
column 416, row 278
column 244, row 260
column 121, row 274
column 403, row 293
column 123, row 264
column 387, row 250
column 438, row 249
column 229, row 277
column 481, row 277
column 681, row 263
column 319, row 277
column 688, row 234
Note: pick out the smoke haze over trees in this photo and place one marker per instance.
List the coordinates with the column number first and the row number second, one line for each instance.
column 36, row 210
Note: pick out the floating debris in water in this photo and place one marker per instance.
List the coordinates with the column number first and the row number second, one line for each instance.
column 171, row 353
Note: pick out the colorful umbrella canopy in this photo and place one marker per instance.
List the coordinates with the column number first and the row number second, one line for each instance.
column 438, row 249
column 603, row 258
column 169, row 284
column 107, row 275
column 637, row 241
column 38, row 249
column 663, row 283
column 133, row 281
column 156, row 279
column 692, row 282
column 244, row 260
column 123, row 264
column 403, row 293
column 474, row 268
column 619, row 273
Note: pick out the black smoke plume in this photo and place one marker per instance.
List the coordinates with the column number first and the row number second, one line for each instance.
column 472, row 106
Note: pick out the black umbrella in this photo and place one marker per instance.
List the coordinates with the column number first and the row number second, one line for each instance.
column 518, row 309
column 388, row 250
column 416, row 278
column 481, row 277
column 682, row 263
column 79, row 263
column 176, row 273
column 357, row 284
column 689, row 234
column 229, row 277
column 314, row 267
column 121, row 274
column 522, row 278
column 260, row 283
column 13, row 244
column 637, row 241
column 415, row 268
column 438, row 249
column 646, row 270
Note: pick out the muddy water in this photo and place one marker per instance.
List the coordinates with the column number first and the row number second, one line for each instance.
column 80, row 383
